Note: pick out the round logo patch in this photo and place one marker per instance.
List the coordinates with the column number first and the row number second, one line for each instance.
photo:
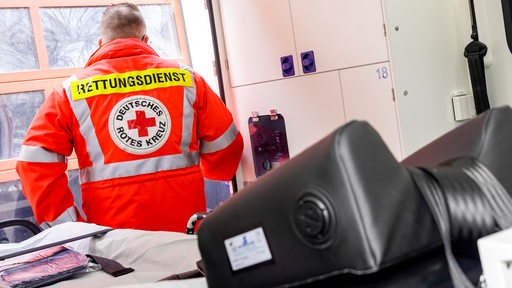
column 139, row 124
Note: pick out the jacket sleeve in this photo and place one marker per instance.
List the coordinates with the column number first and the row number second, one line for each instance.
column 221, row 143
column 42, row 161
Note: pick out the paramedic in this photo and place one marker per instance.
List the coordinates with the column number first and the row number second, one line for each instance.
column 145, row 130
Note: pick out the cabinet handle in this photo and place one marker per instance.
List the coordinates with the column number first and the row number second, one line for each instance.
column 287, row 66
column 308, row 62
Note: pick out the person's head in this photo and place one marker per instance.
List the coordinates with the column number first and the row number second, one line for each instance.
column 123, row 20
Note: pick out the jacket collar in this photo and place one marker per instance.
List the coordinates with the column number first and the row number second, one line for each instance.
column 119, row 48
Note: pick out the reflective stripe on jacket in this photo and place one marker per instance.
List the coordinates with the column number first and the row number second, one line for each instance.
column 145, row 131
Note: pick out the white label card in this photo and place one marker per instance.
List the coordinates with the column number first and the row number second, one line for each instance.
column 247, row 249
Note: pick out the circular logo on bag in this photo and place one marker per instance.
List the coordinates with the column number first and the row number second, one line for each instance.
column 314, row 219
column 139, row 124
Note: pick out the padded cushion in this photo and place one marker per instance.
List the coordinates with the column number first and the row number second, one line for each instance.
column 344, row 208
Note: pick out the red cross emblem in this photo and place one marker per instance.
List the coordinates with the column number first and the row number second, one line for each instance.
column 141, row 123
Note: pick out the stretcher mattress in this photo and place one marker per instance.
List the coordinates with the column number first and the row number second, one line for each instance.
column 153, row 255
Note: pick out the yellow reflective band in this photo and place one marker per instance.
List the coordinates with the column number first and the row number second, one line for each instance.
column 130, row 82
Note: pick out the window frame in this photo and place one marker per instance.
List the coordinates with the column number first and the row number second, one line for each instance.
column 47, row 78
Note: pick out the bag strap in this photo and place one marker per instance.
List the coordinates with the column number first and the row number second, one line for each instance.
column 430, row 182
column 475, row 52
column 436, row 202
column 110, row 266
column 194, row 273
column 497, row 196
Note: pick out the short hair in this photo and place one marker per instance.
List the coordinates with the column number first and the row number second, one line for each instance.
column 123, row 20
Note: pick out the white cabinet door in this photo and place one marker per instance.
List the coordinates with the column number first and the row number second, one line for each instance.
column 367, row 95
column 342, row 33
column 257, row 34
column 311, row 105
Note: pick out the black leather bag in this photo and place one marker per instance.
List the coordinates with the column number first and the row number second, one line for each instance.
column 346, row 213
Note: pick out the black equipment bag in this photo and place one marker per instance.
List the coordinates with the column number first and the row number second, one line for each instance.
column 345, row 213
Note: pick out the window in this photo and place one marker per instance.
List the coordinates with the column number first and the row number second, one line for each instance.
column 16, row 113
column 42, row 42
column 14, row 205
column 17, row 44
column 69, row 42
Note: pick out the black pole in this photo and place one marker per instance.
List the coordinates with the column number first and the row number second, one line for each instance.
column 474, row 29
column 37, row 248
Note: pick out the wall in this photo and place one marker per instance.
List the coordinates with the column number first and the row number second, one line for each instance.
column 426, row 43
column 426, row 40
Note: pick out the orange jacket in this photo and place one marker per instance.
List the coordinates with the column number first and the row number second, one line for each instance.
column 145, row 131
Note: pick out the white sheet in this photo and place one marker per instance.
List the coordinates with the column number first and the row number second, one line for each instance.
column 153, row 255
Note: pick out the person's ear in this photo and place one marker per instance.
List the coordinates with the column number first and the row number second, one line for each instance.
column 100, row 42
column 145, row 38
